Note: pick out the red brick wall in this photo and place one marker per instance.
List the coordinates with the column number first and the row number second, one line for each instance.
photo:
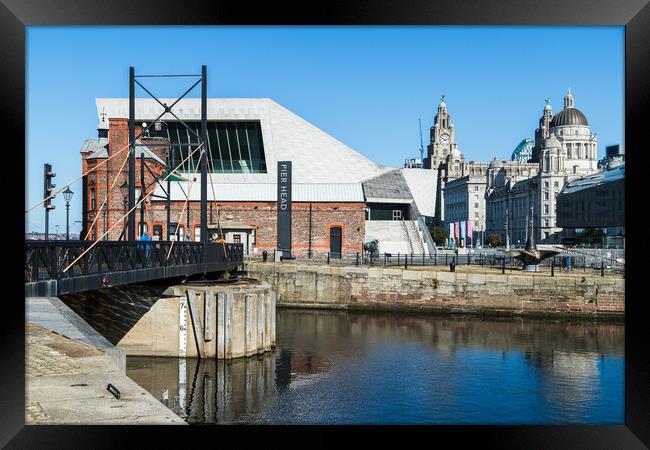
column 102, row 179
column 262, row 215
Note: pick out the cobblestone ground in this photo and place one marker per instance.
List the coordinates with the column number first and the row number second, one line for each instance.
column 43, row 360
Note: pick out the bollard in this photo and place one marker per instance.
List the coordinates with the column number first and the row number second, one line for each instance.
column 406, row 261
column 452, row 265
column 445, row 258
column 423, row 258
column 553, row 267
column 398, row 258
column 328, row 258
column 357, row 259
column 265, row 255
column 384, row 259
column 602, row 268
column 503, row 266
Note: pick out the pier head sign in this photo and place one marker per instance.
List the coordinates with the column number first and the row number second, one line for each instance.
column 284, row 207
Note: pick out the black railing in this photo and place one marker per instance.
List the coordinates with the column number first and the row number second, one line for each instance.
column 47, row 260
column 494, row 259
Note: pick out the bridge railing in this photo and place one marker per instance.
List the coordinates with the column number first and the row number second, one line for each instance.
column 46, row 260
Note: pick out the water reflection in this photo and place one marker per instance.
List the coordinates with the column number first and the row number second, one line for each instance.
column 339, row 367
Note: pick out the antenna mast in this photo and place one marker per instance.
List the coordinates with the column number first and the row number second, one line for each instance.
column 421, row 145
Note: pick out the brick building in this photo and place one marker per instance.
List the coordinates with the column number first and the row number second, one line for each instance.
column 246, row 138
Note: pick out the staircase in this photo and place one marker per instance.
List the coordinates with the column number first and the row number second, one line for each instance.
column 417, row 246
column 395, row 236
column 405, row 235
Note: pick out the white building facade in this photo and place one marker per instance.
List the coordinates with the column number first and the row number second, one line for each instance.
column 565, row 149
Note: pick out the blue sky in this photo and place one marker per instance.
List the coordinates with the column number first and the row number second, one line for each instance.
column 366, row 86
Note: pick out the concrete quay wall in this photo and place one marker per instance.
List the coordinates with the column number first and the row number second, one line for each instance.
column 316, row 286
column 221, row 322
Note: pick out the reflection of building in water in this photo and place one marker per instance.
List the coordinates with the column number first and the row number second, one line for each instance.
column 213, row 391
column 326, row 352
column 574, row 365
column 568, row 381
column 447, row 334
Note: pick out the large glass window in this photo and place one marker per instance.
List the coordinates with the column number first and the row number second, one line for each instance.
column 234, row 146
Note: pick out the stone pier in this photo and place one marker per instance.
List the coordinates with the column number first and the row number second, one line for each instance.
column 221, row 321
column 467, row 290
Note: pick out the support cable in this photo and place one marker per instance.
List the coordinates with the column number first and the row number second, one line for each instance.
column 76, row 179
column 214, row 198
column 180, row 217
column 105, row 199
column 100, row 164
column 127, row 213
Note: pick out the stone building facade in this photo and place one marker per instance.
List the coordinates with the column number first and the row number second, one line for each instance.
column 516, row 192
column 465, row 201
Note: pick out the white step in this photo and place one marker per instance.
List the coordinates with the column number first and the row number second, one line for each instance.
column 395, row 236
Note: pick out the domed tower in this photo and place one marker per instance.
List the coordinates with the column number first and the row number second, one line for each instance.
column 455, row 161
column 543, row 131
column 579, row 144
column 568, row 152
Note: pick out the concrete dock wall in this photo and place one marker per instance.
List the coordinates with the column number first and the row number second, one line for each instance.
column 224, row 322
column 308, row 285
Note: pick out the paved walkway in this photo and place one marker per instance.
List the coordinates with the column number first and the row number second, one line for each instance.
column 51, row 313
column 66, row 381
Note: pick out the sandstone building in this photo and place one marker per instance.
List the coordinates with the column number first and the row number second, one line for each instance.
column 564, row 149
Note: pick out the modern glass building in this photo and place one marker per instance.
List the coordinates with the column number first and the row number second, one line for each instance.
column 524, row 151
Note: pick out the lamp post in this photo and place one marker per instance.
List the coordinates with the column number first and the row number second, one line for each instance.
column 506, row 226
column 124, row 188
column 67, row 195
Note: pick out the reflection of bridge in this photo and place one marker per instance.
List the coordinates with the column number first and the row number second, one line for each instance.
column 115, row 263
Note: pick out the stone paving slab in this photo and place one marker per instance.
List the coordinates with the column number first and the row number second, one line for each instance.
column 66, row 383
column 52, row 314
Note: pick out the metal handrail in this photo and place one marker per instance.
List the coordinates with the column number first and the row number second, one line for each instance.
column 46, row 260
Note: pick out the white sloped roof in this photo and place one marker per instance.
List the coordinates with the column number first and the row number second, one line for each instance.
column 265, row 192
column 317, row 157
column 422, row 184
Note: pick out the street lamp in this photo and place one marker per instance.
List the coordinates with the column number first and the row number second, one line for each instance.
column 124, row 187
column 67, row 195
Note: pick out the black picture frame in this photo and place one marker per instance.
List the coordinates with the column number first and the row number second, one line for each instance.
column 15, row 15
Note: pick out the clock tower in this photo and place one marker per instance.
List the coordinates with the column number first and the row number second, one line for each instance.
column 443, row 156
column 443, row 143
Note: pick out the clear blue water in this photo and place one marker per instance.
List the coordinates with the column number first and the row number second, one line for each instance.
column 332, row 367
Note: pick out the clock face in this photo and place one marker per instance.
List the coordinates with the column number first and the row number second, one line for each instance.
column 444, row 138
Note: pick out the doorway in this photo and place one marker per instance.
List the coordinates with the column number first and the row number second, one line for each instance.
column 336, row 234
